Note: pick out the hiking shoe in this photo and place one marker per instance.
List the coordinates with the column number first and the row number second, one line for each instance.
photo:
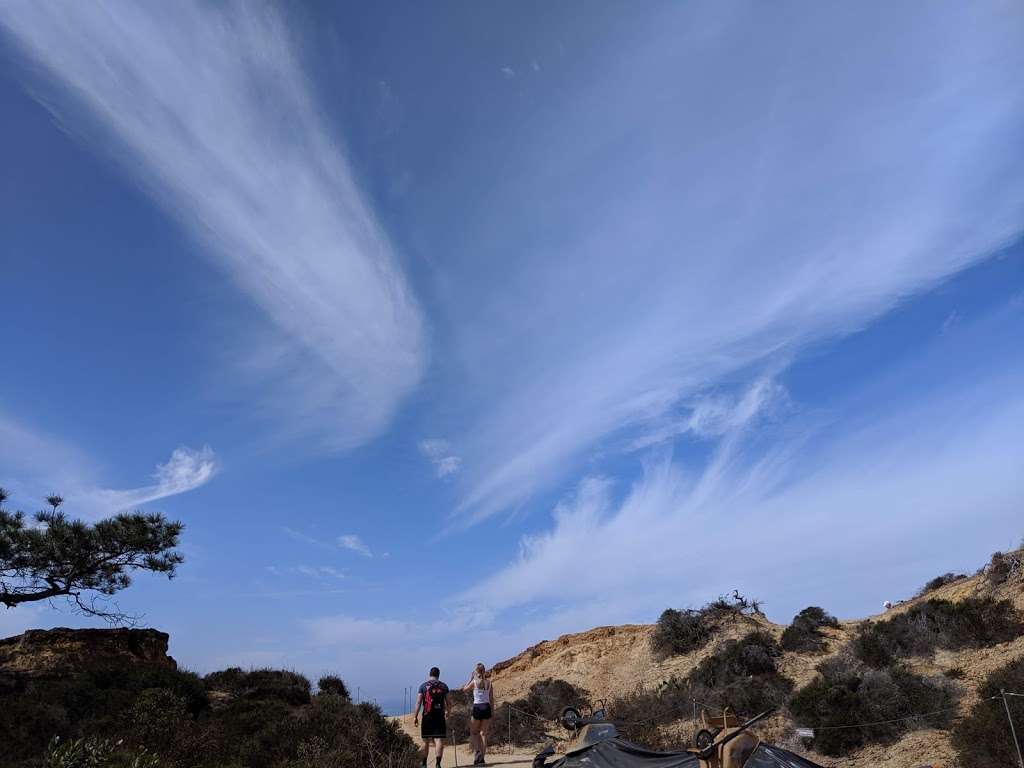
column 479, row 760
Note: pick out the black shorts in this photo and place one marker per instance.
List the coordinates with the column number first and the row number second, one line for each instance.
column 434, row 725
column 481, row 711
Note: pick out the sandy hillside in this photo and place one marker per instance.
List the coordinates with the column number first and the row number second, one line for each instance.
column 611, row 661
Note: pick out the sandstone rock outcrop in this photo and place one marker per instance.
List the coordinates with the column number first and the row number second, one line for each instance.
column 52, row 653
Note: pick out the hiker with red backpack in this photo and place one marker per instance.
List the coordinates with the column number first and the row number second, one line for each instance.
column 433, row 700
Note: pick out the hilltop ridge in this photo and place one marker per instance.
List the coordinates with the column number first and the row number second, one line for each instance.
column 614, row 661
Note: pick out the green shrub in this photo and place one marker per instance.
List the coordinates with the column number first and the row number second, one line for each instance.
column 640, row 713
column 1005, row 566
column 941, row 581
column 159, row 722
column 678, row 632
column 970, row 623
column 548, row 698
column 742, row 676
column 848, row 692
column 804, row 634
column 86, row 705
column 982, row 739
column 282, row 685
column 332, row 685
column 535, row 713
column 336, row 733
column 269, row 721
column 94, row 753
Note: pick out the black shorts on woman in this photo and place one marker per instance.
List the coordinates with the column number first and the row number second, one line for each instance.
column 481, row 711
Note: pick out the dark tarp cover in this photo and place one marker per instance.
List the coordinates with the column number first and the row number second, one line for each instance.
column 617, row 753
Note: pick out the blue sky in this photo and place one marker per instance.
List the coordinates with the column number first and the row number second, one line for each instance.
column 449, row 328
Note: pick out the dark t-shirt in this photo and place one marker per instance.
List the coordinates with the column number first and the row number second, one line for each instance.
column 434, row 693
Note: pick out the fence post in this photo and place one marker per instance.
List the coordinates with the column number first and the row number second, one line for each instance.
column 511, row 748
column 1013, row 731
column 455, row 750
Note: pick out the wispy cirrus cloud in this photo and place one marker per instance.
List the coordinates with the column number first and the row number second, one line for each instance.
column 349, row 541
column 796, row 517
column 309, row 571
column 210, row 110
column 353, row 543
column 672, row 249
column 713, row 414
column 185, row 470
column 36, row 464
column 439, row 453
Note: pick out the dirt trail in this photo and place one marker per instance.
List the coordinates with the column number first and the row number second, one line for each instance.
column 463, row 753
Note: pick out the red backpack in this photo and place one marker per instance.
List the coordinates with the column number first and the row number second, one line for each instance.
column 433, row 698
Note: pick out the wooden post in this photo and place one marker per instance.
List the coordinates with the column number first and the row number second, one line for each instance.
column 1013, row 731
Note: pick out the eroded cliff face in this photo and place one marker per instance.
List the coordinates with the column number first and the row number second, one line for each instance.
column 54, row 653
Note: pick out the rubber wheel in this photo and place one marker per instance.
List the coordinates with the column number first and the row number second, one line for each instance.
column 570, row 718
column 703, row 739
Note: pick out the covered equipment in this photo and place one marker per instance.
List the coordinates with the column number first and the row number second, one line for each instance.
column 722, row 743
column 618, row 753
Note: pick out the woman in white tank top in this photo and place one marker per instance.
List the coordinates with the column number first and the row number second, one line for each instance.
column 483, row 710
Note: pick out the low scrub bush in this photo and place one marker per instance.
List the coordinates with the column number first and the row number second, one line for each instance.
column 678, row 632
column 1005, row 567
column 280, row 684
column 332, row 685
column 125, row 718
column 741, row 675
column 533, row 715
column 847, row 692
column 941, row 581
column 95, row 753
column 982, row 739
column 92, row 704
column 804, row 634
column 970, row 623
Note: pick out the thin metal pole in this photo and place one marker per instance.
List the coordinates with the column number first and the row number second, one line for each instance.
column 1013, row 731
column 455, row 749
column 511, row 747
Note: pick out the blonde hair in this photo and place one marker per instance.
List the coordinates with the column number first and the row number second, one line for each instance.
column 481, row 677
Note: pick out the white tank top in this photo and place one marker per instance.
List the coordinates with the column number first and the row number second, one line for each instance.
column 481, row 692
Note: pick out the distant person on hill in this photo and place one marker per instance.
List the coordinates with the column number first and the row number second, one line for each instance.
column 433, row 700
column 483, row 709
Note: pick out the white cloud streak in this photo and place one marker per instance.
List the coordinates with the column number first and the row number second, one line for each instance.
column 943, row 468
column 210, row 110
column 353, row 543
column 35, row 464
column 687, row 229
column 439, row 452
column 317, row 572
column 186, row 470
